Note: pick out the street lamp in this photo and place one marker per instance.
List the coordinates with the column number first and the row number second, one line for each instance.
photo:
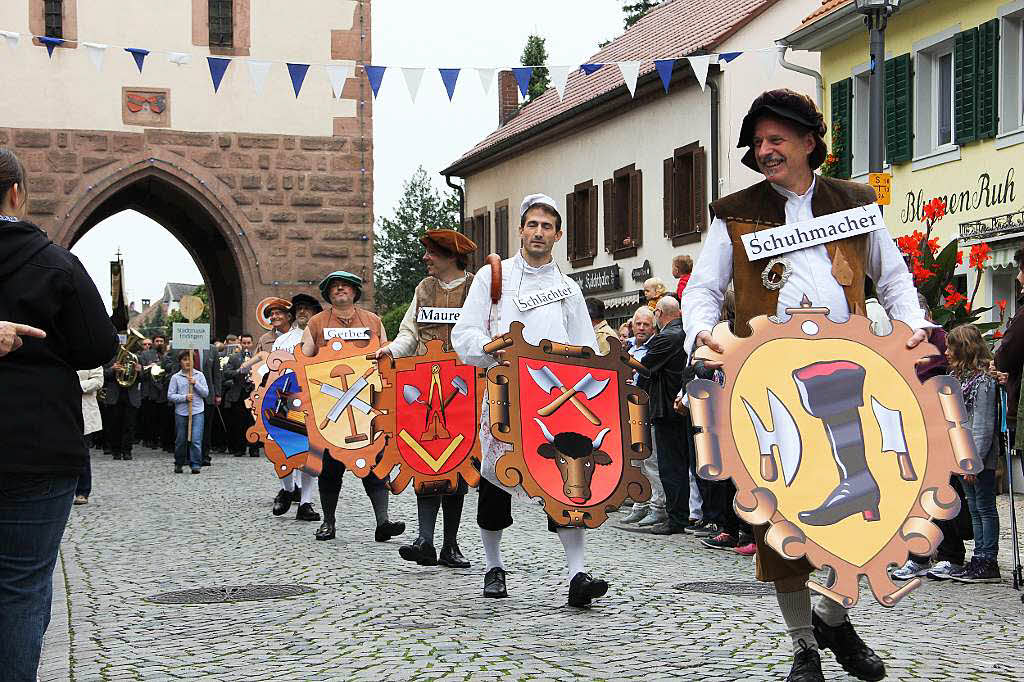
column 876, row 16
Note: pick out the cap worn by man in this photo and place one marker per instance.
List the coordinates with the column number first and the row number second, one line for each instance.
column 449, row 241
column 355, row 281
column 306, row 300
column 278, row 303
column 532, row 200
column 789, row 106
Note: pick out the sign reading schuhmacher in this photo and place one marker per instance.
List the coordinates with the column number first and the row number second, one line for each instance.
column 191, row 336
column 775, row 241
column 598, row 280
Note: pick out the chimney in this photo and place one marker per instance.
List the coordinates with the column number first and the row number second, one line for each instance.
column 146, row 302
column 508, row 97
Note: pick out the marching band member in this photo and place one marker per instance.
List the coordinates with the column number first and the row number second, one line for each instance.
column 444, row 287
column 566, row 320
column 342, row 290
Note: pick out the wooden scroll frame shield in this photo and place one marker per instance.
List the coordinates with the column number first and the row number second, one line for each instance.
column 754, row 427
column 280, row 423
column 620, row 413
column 450, row 412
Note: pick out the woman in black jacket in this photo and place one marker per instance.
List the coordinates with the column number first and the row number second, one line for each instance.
column 42, row 286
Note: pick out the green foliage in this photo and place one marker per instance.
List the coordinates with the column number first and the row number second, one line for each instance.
column 393, row 318
column 398, row 267
column 635, row 10
column 536, row 55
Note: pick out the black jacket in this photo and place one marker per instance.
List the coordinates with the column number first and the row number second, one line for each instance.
column 665, row 362
column 112, row 390
column 1010, row 359
column 153, row 389
column 43, row 285
column 235, row 384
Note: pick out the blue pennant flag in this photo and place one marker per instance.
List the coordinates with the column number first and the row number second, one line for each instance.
column 298, row 74
column 139, row 54
column 728, row 56
column 664, row 67
column 523, row 75
column 50, row 43
column 449, row 76
column 374, row 74
column 218, row 65
column 590, row 68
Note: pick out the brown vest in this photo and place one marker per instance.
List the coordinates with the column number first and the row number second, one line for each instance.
column 430, row 294
column 759, row 207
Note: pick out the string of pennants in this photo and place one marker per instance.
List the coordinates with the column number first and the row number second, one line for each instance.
column 413, row 76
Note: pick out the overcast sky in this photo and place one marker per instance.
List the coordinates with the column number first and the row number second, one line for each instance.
column 430, row 132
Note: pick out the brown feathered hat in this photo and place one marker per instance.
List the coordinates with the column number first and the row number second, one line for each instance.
column 449, row 240
column 789, row 106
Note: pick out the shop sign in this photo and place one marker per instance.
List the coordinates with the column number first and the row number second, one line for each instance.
column 598, row 280
column 986, row 192
column 643, row 272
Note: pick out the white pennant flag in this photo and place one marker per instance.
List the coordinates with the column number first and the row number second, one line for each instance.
column 486, row 78
column 559, row 77
column 258, row 71
column 11, row 37
column 630, row 72
column 337, row 73
column 179, row 58
column 700, row 64
column 413, row 77
column 96, row 51
column 770, row 60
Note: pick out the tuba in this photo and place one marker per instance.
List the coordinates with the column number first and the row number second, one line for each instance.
column 126, row 357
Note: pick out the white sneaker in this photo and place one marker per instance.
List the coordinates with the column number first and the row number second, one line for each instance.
column 941, row 570
column 911, row 569
column 653, row 518
column 639, row 511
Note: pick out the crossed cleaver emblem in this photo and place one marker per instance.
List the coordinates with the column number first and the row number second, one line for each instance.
column 549, row 382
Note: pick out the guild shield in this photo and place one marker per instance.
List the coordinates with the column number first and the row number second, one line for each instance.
column 280, row 424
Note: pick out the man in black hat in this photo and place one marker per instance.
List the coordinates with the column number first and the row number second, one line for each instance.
column 784, row 133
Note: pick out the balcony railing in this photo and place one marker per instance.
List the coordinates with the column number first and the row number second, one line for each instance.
column 996, row 226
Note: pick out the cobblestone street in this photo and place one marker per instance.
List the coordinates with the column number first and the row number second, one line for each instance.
column 375, row 617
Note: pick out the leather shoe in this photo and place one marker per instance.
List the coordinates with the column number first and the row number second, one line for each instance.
column 494, row 584
column 282, row 503
column 388, row 530
column 667, row 528
column 420, row 551
column 178, row 469
column 307, row 513
column 850, row 651
column 806, row 666
column 325, row 531
column 452, row 557
column 583, row 588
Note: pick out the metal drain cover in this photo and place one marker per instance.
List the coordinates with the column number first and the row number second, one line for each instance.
column 229, row 593
column 738, row 589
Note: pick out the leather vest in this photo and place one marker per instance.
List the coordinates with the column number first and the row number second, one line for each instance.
column 759, row 207
column 430, row 294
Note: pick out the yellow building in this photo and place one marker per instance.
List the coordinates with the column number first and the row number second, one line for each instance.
column 954, row 107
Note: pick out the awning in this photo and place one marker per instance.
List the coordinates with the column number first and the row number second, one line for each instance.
column 1002, row 255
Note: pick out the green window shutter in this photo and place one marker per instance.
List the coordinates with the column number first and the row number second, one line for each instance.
column 899, row 114
column 842, row 137
column 987, row 117
column 965, row 86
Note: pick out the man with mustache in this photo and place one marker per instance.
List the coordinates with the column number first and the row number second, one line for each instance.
column 784, row 133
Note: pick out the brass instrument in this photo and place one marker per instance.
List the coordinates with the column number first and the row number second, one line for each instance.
column 126, row 357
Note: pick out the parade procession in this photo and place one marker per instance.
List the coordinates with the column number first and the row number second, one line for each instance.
column 754, row 418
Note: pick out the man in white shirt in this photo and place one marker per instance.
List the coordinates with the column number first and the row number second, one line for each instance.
column 560, row 319
column 784, row 132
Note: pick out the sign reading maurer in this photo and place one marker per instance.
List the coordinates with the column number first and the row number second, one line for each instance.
column 775, row 241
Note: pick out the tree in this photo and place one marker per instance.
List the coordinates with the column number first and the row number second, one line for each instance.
column 398, row 267
column 536, row 55
column 636, row 9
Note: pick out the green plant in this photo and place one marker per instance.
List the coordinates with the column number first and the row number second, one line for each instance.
column 392, row 319
column 830, row 169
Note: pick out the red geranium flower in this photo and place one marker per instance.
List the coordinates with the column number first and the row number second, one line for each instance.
column 959, row 257
column 935, row 209
column 980, row 253
column 997, row 335
column 1002, row 306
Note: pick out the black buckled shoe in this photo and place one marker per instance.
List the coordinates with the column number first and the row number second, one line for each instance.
column 420, row 551
column 452, row 557
column 850, row 651
column 388, row 530
column 494, row 584
column 282, row 503
column 325, row 531
column 307, row 513
column 806, row 666
column 583, row 589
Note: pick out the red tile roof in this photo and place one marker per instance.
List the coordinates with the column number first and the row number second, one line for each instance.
column 827, row 7
column 676, row 28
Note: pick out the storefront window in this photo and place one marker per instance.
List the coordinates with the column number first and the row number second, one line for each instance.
column 944, row 99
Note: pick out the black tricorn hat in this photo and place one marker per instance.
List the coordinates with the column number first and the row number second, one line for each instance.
column 789, row 106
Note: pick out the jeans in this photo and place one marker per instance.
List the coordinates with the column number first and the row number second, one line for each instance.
column 674, row 467
column 188, row 447
column 34, row 509
column 981, row 500
column 650, row 468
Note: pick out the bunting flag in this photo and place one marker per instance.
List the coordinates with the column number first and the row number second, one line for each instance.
column 700, row 64
column 630, row 72
column 96, row 52
column 337, row 73
column 179, row 58
column 50, row 43
column 486, row 78
column 523, row 75
column 664, row 69
column 297, row 72
column 449, row 77
column 11, row 38
column 139, row 54
column 559, row 77
column 728, row 56
column 218, row 65
column 258, row 71
column 590, row 68
column 413, row 78
column 374, row 74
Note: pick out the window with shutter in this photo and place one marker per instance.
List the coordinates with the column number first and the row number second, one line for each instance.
column 965, row 86
column 987, row 76
column 668, row 172
column 53, row 18
column 501, row 236
column 592, row 216
column 899, row 103
column 842, row 139
column 636, row 208
column 608, row 192
column 685, row 198
column 623, row 218
column 569, row 224
column 222, row 28
column 474, row 259
column 483, row 233
column 581, row 224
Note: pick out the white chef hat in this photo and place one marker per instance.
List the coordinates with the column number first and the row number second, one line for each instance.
column 533, row 200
